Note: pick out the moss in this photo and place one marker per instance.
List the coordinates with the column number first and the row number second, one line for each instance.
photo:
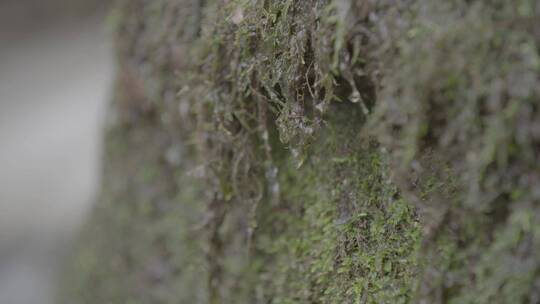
column 342, row 233
column 349, row 152
column 475, row 83
column 140, row 246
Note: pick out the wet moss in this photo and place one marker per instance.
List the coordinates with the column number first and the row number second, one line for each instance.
column 344, row 236
column 459, row 91
column 346, row 152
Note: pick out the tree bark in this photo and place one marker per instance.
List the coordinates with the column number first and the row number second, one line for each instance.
column 339, row 152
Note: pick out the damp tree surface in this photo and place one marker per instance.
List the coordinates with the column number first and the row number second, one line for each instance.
column 317, row 151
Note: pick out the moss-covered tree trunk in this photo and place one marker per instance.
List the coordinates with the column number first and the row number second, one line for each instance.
column 319, row 151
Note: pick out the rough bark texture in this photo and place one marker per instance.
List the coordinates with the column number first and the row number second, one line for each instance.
column 338, row 152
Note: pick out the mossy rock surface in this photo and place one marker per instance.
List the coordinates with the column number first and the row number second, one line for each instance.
column 319, row 152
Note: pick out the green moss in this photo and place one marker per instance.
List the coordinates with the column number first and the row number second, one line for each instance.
column 350, row 152
column 140, row 246
column 457, row 91
column 342, row 233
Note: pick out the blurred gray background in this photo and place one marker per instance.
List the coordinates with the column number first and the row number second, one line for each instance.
column 56, row 68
